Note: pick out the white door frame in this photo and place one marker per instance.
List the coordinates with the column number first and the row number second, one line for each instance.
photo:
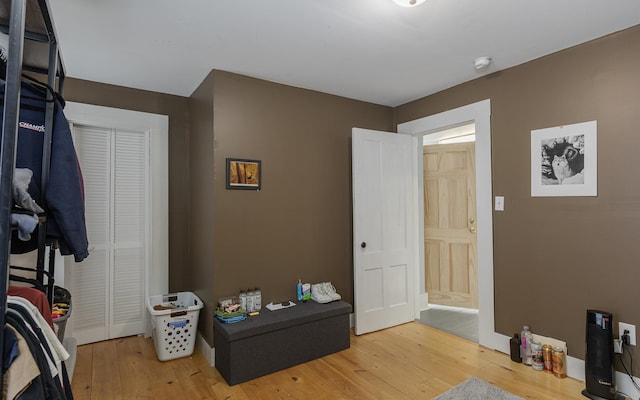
column 157, row 265
column 480, row 114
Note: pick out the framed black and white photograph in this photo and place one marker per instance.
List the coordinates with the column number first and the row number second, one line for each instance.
column 564, row 160
column 244, row 174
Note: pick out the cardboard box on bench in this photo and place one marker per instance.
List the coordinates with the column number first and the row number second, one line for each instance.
column 276, row 340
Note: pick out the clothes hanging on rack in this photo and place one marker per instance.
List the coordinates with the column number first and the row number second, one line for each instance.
column 35, row 297
column 10, row 349
column 24, row 213
column 49, row 337
column 52, row 381
column 62, row 196
column 22, row 370
column 21, row 197
column 64, row 192
column 25, row 225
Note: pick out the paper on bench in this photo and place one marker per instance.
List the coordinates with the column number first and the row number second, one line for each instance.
column 279, row 306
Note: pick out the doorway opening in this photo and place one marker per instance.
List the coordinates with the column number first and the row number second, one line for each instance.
column 480, row 114
column 450, row 282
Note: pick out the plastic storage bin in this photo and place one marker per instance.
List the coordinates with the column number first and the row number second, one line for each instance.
column 175, row 321
column 60, row 324
column 61, row 296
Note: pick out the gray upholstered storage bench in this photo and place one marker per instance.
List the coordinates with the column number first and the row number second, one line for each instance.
column 275, row 340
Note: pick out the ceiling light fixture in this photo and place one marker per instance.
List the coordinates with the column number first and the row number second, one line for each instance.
column 481, row 63
column 408, row 3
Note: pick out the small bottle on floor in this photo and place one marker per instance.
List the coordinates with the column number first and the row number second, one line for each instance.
column 515, row 348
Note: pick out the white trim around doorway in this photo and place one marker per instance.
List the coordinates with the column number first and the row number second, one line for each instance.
column 157, row 125
column 480, row 114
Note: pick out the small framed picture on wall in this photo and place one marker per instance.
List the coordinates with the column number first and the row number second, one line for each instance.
column 244, row 174
column 564, row 160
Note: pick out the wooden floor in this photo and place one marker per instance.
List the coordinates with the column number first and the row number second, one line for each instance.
column 410, row 361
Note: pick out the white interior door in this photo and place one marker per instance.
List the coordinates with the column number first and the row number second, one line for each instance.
column 108, row 289
column 383, row 229
column 124, row 159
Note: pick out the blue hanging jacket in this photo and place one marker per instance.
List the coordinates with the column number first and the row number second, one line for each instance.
column 64, row 197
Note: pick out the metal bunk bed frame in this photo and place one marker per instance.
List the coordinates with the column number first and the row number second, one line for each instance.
column 31, row 20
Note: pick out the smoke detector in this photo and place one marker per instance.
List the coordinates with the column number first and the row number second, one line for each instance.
column 481, row 63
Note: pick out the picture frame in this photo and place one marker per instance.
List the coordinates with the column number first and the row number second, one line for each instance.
column 244, row 174
column 564, row 160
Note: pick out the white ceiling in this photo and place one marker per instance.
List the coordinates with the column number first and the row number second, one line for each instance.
column 370, row 50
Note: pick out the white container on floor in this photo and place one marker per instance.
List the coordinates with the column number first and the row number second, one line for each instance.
column 175, row 323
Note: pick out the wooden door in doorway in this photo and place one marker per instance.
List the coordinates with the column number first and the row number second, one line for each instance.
column 450, row 225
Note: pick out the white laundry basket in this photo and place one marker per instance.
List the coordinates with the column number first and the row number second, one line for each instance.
column 174, row 328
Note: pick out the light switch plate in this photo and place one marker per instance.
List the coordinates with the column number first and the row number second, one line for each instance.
column 499, row 206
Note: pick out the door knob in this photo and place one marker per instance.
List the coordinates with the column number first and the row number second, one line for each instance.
column 472, row 220
column 363, row 244
column 472, row 229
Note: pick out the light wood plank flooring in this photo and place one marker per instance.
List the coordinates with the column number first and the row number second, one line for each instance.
column 407, row 362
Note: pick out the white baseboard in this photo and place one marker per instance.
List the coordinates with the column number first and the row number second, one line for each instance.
column 624, row 384
column 424, row 301
column 209, row 353
column 575, row 369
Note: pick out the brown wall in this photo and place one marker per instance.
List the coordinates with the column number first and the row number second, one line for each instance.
column 299, row 224
column 201, row 225
column 556, row 257
column 177, row 109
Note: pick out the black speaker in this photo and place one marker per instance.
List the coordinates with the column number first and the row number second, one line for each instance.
column 598, row 363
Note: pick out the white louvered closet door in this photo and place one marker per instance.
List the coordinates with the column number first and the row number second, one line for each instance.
column 108, row 287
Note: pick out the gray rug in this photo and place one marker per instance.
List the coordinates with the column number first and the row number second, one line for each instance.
column 476, row 389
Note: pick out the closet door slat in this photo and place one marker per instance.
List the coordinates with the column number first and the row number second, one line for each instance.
column 89, row 291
